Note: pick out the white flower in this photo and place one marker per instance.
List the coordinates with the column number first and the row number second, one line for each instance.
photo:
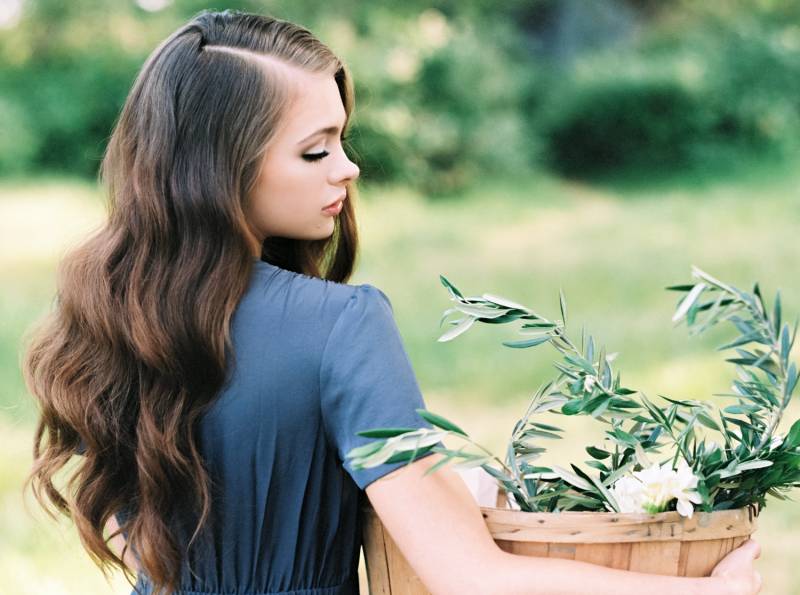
column 628, row 493
column 686, row 492
column 651, row 490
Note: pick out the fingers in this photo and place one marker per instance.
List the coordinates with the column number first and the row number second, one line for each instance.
column 754, row 547
column 758, row 580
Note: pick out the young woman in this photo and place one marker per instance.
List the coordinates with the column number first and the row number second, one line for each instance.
column 208, row 360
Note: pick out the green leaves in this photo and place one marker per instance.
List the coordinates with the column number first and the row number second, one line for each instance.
column 460, row 327
column 791, row 381
column 366, row 450
column 750, row 466
column 785, row 342
column 688, row 301
column 526, row 343
column 792, row 439
column 708, row 422
column 490, row 309
column 394, row 449
column 744, row 465
column 572, row 478
column 450, row 287
column 384, row 432
column 440, row 422
column 597, row 453
column 501, row 301
column 737, row 468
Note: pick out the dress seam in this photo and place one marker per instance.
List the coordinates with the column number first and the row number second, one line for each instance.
column 299, row 591
column 331, row 445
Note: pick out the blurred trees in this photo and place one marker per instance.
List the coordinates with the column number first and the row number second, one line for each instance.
column 451, row 90
column 704, row 86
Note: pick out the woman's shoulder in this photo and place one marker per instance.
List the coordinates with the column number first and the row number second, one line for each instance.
column 302, row 294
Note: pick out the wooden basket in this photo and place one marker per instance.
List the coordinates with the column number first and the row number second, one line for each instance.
column 664, row 543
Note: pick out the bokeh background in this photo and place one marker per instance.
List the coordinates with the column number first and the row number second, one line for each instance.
column 517, row 148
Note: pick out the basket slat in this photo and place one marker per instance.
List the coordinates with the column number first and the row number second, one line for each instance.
column 523, row 548
column 698, row 558
column 404, row 580
column 655, row 557
column 375, row 556
column 613, row 555
column 564, row 551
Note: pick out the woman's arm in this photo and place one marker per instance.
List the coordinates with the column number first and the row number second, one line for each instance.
column 438, row 526
column 117, row 543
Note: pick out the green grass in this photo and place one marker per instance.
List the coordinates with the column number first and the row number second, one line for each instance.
column 612, row 248
column 612, row 256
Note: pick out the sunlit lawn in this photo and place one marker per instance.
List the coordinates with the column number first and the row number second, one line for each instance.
column 612, row 252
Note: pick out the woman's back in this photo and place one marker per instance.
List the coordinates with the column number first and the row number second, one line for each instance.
column 314, row 362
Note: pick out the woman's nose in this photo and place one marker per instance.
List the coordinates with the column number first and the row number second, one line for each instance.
column 353, row 171
column 347, row 171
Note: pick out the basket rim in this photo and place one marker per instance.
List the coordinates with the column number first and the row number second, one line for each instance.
column 582, row 527
column 640, row 516
column 612, row 527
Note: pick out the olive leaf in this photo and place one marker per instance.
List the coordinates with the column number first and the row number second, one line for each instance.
column 747, row 462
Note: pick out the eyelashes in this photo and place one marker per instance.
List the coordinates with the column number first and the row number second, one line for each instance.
column 322, row 154
column 315, row 156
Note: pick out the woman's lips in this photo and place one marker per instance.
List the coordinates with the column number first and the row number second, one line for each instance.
column 335, row 208
column 340, row 199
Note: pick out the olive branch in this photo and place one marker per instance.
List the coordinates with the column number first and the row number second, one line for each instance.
column 751, row 461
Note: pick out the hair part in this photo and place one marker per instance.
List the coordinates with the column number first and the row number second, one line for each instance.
column 125, row 366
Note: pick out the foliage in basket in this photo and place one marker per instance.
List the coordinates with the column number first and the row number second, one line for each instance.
column 655, row 456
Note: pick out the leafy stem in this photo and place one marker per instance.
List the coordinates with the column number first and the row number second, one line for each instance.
column 750, row 463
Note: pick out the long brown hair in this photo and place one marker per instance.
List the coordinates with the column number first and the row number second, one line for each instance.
column 137, row 345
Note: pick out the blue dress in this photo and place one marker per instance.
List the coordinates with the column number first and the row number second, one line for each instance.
column 314, row 362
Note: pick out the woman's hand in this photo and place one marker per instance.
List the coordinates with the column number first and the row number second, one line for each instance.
column 735, row 571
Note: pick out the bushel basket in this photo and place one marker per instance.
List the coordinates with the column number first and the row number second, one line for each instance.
column 664, row 543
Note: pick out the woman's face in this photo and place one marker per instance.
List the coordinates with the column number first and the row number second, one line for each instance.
column 304, row 168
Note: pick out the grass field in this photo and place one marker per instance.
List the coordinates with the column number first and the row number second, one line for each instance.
column 612, row 249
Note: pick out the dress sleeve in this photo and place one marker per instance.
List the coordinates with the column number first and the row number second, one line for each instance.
column 366, row 379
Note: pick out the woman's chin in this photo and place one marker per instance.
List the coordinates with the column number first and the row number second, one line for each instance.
column 323, row 232
column 330, row 227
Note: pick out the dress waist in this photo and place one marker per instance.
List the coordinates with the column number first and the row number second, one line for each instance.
column 348, row 587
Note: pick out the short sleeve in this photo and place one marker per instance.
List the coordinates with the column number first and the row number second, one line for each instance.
column 366, row 379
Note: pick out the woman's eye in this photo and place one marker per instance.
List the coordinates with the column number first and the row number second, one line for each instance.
column 315, row 156
column 322, row 154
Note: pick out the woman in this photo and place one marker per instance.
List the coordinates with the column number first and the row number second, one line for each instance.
column 211, row 364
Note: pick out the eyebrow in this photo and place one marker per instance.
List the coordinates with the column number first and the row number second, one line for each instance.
column 326, row 131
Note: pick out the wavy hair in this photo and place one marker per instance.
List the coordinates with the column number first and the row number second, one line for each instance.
column 137, row 345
